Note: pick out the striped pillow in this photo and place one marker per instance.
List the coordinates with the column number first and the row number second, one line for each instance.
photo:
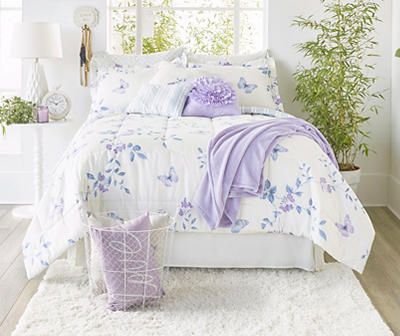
column 164, row 100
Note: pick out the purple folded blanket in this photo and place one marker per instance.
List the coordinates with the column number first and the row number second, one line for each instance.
column 236, row 158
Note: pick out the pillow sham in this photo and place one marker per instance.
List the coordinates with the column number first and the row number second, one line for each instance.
column 103, row 60
column 255, row 58
column 164, row 100
column 169, row 73
column 260, row 60
column 211, row 97
column 264, row 111
column 126, row 288
column 115, row 87
column 254, row 86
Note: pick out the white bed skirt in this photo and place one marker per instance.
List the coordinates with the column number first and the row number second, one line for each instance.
column 227, row 250
column 218, row 250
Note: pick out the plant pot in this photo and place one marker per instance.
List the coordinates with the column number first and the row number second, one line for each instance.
column 352, row 177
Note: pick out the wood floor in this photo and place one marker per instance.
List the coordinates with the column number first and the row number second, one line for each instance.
column 381, row 278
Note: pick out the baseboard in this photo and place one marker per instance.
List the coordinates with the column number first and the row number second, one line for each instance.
column 16, row 187
column 394, row 195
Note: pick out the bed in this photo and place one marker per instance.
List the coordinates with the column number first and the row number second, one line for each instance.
column 129, row 161
column 120, row 161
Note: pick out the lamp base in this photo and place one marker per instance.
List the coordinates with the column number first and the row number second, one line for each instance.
column 37, row 84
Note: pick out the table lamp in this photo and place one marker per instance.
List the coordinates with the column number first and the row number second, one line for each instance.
column 37, row 40
column 397, row 54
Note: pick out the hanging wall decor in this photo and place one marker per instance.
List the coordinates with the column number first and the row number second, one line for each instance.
column 86, row 18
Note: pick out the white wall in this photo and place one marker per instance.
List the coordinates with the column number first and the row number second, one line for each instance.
column 394, row 181
column 15, row 170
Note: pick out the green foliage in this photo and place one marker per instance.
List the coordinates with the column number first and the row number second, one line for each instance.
column 211, row 33
column 126, row 29
column 336, row 88
column 164, row 37
column 164, row 31
column 15, row 111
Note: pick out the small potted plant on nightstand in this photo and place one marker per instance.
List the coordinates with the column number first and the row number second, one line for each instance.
column 336, row 89
column 15, row 110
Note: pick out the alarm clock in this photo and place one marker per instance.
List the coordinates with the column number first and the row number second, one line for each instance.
column 58, row 104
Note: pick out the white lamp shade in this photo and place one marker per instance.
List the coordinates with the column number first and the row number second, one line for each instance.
column 37, row 40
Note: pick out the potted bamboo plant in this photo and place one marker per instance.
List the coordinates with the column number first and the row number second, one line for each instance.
column 336, row 89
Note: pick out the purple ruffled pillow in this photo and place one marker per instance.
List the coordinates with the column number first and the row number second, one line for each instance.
column 211, row 97
column 131, row 276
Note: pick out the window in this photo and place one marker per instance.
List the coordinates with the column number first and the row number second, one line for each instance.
column 10, row 68
column 207, row 26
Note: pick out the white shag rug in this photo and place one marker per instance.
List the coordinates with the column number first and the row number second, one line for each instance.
column 211, row 302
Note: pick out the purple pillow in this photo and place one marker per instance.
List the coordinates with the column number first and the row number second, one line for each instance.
column 131, row 276
column 211, row 97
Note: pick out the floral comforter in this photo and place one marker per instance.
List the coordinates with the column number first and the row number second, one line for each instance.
column 140, row 162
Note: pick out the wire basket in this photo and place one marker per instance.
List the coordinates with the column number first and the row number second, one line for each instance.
column 127, row 264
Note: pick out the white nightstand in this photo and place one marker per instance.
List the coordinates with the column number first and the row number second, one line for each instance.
column 27, row 211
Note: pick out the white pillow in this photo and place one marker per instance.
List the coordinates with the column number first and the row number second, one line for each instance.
column 103, row 60
column 256, row 58
column 164, row 100
column 115, row 88
column 169, row 73
column 255, row 86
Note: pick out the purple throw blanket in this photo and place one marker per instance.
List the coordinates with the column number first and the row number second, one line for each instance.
column 236, row 158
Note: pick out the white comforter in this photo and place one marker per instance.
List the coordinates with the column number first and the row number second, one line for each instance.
column 132, row 161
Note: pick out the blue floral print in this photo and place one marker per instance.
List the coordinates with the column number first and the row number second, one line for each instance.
column 265, row 70
column 290, row 199
column 113, row 174
column 321, row 230
column 135, row 151
column 202, row 157
column 239, row 225
column 335, row 182
column 186, row 215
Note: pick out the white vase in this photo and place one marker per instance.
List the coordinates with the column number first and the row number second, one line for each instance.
column 352, row 178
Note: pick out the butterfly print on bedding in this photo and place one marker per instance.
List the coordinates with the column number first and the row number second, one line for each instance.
column 347, row 228
column 278, row 149
column 122, row 87
column 170, row 179
column 247, row 88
